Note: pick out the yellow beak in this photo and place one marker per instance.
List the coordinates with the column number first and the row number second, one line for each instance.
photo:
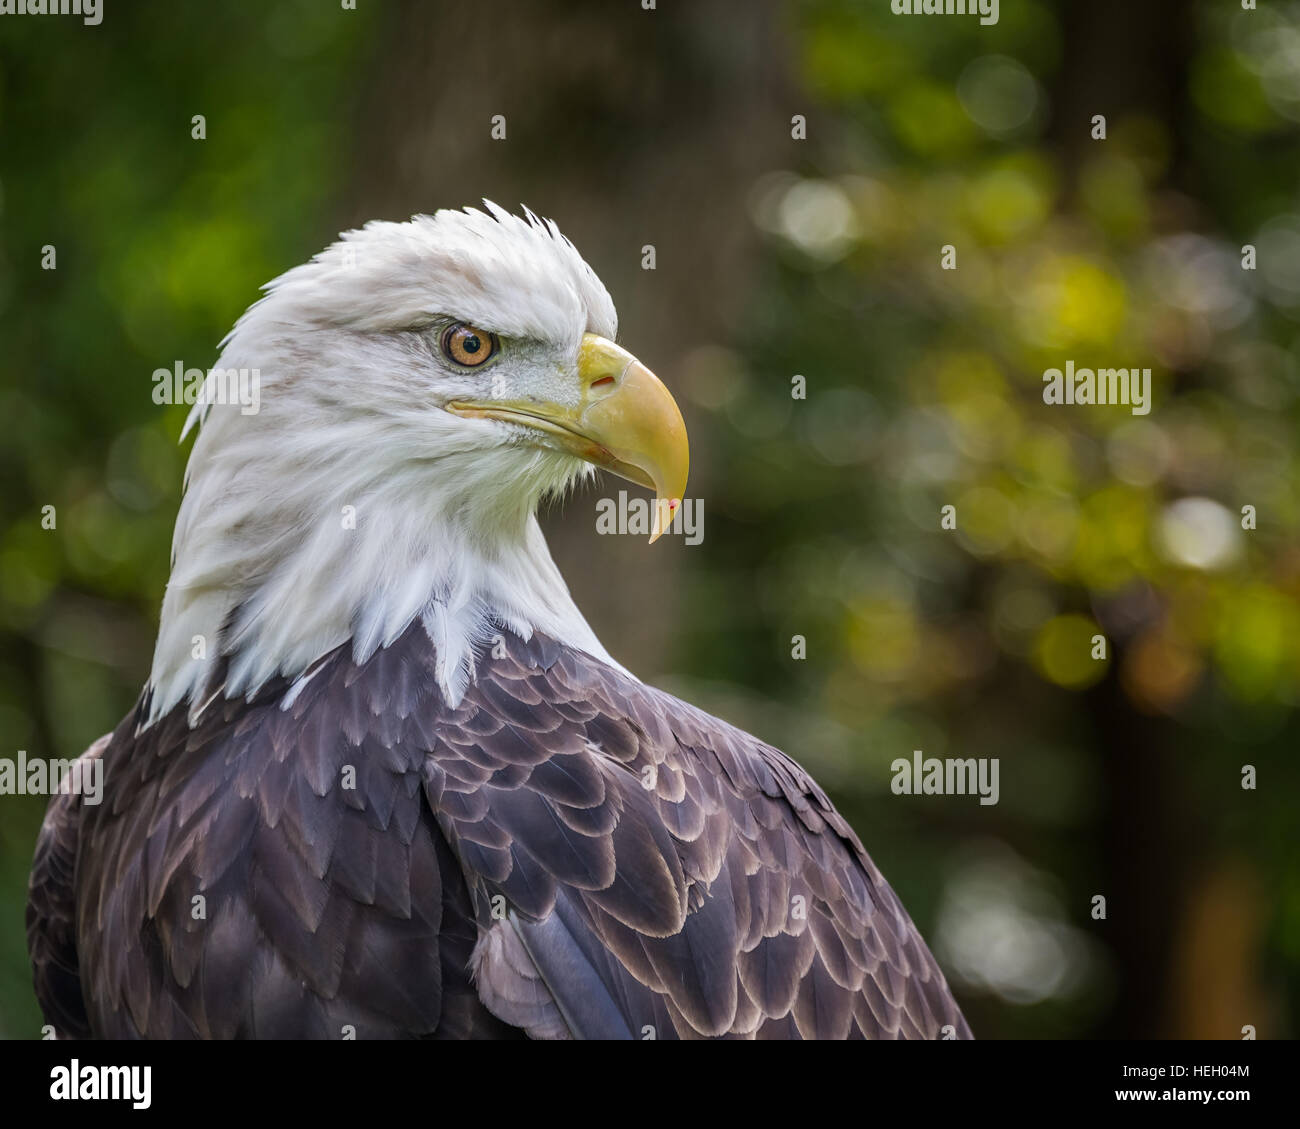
column 626, row 422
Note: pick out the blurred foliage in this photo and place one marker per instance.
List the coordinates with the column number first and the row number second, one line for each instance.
column 1118, row 777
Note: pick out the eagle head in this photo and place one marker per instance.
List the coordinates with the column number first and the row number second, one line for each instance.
column 422, row 387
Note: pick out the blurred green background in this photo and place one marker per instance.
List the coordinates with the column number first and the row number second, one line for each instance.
column 775, row 257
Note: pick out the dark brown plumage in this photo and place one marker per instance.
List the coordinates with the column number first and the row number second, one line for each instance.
column 567, row 852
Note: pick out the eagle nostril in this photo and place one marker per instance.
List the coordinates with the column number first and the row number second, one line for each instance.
column 602, row 381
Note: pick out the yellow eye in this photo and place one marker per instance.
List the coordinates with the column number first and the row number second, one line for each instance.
column 468, row 346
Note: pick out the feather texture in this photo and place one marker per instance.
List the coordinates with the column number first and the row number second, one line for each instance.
column 564, row 852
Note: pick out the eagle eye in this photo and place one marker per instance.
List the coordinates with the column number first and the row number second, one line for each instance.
column 468, row 346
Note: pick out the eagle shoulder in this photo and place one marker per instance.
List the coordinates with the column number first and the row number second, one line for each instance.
column 664, row 873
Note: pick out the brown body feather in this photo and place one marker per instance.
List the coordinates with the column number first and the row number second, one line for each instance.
column 565, row 853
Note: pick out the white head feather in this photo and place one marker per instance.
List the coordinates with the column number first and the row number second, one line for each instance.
column 265, row 569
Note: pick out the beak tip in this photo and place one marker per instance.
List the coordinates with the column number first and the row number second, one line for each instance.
column 665, row 511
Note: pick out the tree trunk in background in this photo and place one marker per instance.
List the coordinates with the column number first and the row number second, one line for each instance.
column 1217, row 958
column 587, row 92
column 1146, row 849
column 1120, row 57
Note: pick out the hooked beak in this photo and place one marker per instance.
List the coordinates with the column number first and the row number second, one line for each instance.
column 626, row 422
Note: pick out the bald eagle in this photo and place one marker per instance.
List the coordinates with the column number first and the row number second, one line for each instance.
column 384, row 780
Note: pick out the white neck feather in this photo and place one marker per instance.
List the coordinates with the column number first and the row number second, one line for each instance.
column 278, row 560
